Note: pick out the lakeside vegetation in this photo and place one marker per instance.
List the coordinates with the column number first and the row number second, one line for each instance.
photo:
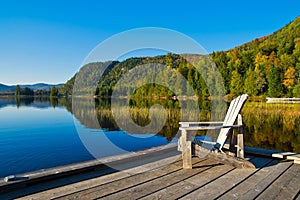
column 27, row 92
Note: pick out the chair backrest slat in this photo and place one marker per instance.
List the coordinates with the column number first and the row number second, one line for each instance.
column 234, row 109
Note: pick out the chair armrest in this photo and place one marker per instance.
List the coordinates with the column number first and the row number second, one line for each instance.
column 201, row 122
column 202, row 128
column 186, row 124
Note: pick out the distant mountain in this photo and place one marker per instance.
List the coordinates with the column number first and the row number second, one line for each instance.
column 41, row 86
column 38, row 86
column 6, row 88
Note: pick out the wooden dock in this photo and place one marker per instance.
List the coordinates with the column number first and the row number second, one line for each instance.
column 164, row 178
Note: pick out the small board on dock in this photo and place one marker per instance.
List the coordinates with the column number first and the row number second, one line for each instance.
column 283, row 100
column 288, row 156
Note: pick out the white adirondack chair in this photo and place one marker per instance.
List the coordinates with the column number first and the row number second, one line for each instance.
column 214, row 149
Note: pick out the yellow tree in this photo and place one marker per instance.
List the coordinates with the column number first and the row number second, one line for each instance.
column 289, row 78
column 260, row 60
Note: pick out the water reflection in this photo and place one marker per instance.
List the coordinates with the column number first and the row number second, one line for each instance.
column 38, row 102
column 139, row 110
column 271, row 126
column 267, row 126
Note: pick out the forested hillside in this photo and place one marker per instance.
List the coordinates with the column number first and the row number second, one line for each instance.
column 267, row 66
column 89, row 75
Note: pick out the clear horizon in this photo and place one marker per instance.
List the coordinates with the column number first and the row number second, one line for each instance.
column 46, row 42
column 30, row 84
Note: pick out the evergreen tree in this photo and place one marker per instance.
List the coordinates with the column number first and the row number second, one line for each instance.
column 26, row 92
column 236, row 85
column 169, row 60
column 296, row 91
column 274, row 83
column 190, row 89
column 250, row 85
column 54, row 92
column 17, row 91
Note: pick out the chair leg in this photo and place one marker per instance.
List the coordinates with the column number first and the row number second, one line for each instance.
column 186, row 150
column 231, row 142
column 240, row 138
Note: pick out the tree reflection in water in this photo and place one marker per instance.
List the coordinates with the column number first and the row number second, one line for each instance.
column 270, row 126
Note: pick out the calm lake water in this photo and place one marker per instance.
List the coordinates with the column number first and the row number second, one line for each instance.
column 35, row 135
column 38, row 133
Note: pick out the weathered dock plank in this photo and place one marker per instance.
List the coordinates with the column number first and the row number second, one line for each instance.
column 186, row 186
column 287, row 186
column 258, row 182
column 83, row 185
column 163, row 182
column 224, row 183
column 127, row 182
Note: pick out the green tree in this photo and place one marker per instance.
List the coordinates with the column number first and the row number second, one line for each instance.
column 17, row 91
column 26, row 92
column 274, row 83
column 261, row 82
column 296, row 91
column 169, row 60
column 221, row 61
column 236, row 85
column 190, row 81
column 286, row 61
column 250, row 85
column 54, row 92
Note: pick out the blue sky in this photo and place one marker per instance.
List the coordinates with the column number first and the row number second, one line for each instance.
column 47, row 41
